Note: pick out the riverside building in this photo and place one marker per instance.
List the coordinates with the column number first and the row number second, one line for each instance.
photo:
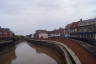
column 6, row 34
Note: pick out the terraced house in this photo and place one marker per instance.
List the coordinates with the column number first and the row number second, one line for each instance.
column 83, row 30
column 6, row 34
column 87, row 29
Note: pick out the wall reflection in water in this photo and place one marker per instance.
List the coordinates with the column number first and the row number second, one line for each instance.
column 7, row 55
column 51, row 52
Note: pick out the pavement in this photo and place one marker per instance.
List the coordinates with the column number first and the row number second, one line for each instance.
column 81, row 50
column 90, row 48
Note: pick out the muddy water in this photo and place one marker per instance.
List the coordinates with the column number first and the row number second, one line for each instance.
column 24, row 53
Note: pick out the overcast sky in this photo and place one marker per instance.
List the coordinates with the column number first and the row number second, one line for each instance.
column 26, row 16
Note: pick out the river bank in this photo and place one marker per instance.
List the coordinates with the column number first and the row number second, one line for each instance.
column 61, row 50
column 6, row 43
column 84, row 56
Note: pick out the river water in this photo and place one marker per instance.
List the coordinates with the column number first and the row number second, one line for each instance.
column 25, row 53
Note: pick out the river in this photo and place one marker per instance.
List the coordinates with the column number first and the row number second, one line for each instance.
column 25, row 53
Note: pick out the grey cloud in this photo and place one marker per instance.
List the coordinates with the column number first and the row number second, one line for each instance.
column 43, row 14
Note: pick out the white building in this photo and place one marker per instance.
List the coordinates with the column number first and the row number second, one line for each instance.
column 43, row 35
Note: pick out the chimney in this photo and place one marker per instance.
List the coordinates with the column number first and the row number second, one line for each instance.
column 80, row 20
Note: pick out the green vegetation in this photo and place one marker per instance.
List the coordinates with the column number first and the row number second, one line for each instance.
column 18, row 37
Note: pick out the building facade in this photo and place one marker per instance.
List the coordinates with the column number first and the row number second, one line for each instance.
column 49, row 34
column 87, row 29
column 41, row 34
column 6, row 34
column 84, row 29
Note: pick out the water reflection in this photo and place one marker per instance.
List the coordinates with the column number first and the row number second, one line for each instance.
column 7, row 55
column 50, row 52
column 25, row 53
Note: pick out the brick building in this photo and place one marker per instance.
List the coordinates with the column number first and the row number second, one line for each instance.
column 54, row 33
column 6, row 34
column 74, row 29
column 49, row 34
